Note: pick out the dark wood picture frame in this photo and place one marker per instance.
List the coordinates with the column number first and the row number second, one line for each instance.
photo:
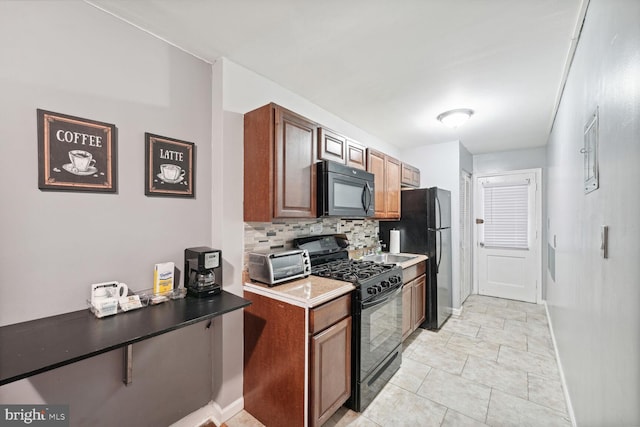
column 169, row 167
column 76, row 154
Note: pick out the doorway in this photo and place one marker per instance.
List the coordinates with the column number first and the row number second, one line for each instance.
column 466, row 262
column 508, row 235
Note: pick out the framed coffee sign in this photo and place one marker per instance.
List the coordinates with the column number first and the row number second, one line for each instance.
column 169, row 169
column 75, row 154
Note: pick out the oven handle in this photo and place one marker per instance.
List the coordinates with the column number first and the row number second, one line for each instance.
column 387, row 297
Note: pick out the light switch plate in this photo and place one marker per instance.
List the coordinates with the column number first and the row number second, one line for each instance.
column 604, row 241
column 316, row 228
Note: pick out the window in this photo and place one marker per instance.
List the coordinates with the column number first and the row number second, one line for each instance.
column 506, row 210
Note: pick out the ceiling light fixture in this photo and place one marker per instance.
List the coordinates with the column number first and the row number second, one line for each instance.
column 455, row 118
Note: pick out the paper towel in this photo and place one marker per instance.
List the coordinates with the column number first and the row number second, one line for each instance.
column 394, row 241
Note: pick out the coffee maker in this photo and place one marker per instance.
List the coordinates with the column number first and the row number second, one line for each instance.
column 202, row 271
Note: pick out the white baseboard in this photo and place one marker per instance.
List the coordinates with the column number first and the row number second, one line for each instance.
column 211, row 412
column 223, row 414
column 457, row 311
column 567, row 398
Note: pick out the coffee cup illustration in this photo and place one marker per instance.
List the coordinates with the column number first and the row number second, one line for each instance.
column 81, row 161
column 170, row 172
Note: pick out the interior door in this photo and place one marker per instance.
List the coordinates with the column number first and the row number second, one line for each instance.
column 465, row 236
column 508, row 235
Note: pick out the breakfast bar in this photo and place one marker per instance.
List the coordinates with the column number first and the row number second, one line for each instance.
column 40, row 345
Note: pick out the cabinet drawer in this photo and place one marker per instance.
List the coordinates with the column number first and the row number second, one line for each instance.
column 410, row 273
column 329, row 313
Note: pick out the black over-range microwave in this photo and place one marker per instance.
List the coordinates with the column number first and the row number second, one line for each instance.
column 344, row 191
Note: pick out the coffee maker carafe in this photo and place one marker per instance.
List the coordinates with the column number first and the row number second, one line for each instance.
column 202, row 271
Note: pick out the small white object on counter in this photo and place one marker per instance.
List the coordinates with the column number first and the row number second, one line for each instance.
column 105, row 296
column 394, row 241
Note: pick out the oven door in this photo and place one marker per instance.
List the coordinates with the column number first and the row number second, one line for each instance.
column 381, row 329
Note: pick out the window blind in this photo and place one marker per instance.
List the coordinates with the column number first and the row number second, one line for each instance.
column 506, row 210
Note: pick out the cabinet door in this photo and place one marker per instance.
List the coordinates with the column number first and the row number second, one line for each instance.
column 295, row 170
column 393, row 170
column 407, row 306
column 416, row 177
column 407, row 174
column 331, row 146
column 375, row 165
column 410, row 176
column 330, row 371
column 418, row 301
column 356, row 155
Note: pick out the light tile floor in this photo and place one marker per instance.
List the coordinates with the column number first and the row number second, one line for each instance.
column 493, row 365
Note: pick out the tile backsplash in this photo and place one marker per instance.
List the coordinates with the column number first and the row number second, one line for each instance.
column 279, row 235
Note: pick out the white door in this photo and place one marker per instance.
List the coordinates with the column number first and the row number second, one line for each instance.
column 465, row 236
column 508, row 211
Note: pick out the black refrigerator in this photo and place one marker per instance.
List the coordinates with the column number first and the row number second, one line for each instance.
column 425, row 228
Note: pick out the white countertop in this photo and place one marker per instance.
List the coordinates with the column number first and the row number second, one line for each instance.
column 313, row 291
column 309, row 292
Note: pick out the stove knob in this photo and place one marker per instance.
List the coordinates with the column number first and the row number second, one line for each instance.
column 378, row 288
column 384, row 284
column 371, row 291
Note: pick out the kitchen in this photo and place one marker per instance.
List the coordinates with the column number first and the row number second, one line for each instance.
column 126, row 233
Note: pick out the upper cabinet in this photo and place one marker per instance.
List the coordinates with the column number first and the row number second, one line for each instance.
column 338, row 148
column 410, row 176
column 279, row 165
column 387, row 171
column 356, row 155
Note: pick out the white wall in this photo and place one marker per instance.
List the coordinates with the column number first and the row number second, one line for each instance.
column 245, row 90
column 71, row 58
column 593, row 302
column 530, row 158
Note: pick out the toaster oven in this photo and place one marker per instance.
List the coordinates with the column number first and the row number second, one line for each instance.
column 274, row 268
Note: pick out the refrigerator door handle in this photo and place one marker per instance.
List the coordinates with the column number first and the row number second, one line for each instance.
column 439, row 217
column 439, row 251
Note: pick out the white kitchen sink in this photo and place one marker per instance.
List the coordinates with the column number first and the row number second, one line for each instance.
column 388, row 258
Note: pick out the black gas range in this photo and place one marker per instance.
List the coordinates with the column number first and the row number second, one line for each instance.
column 376, row 313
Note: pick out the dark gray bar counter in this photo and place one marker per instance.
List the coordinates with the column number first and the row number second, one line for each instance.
column 37, row 346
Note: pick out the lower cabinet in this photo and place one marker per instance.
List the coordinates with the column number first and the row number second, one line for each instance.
column 296, row 375
column 414, row 295
column 330, row 371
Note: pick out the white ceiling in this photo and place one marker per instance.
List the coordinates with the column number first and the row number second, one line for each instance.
column 390, row 67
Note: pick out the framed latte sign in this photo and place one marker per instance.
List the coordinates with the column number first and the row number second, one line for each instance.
column 75, row 154
column 169, row 169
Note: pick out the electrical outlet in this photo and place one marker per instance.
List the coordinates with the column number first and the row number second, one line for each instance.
column 316, row 228
column 338, row 227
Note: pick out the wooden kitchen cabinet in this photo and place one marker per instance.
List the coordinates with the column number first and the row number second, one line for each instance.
column 410, row 176
column 279, row 165
column 387, row 171
column 275, row 343
column 407, row 306
column 338, row 148
column 419, row 292
column 329, row 371
column 413, row 298
column 356, row 155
